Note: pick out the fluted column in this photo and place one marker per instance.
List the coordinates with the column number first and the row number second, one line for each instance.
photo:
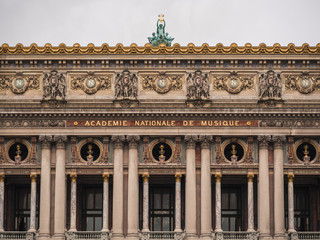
column 1, row 201
column 60, row 188
column 206, row 216
column 263, row 188
column 45, row 187
column 250, row 203
column 117, row 216
column 33, row 202
column 290, row 204
column 218, row 202
column 73, row 202
column 191, row 207
column 279, row 230
column 145, row 204
column 178, row 203
column 105, row 217
column 133, row 188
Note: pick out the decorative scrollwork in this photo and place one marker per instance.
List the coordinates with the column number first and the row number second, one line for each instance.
column 162, row 83
column 90, row 84
column 19, row 83
column 232, row 83
column 303, row 83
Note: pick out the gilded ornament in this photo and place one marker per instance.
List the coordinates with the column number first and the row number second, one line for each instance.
column 304, row 83
column 91, row 84
column 162, row 83
column 232, row 83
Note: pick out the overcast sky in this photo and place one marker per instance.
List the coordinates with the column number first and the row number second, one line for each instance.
column 132, row 21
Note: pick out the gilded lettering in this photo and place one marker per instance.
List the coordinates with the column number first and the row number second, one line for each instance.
column 237, row 123
column 125, row 123
column 92, row 124
column 87, row 123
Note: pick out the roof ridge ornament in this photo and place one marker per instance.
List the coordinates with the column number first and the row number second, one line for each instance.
column 161, row 37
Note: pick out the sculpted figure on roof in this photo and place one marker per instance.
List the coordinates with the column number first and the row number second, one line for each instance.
column 162, row 36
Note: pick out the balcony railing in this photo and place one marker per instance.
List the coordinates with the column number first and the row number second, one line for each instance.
column 161, row 235
column 18, row 235
column 85, row 235
column 237, row 236
column 306, row 235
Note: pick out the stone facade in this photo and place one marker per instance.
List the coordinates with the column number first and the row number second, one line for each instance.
column 230, row 134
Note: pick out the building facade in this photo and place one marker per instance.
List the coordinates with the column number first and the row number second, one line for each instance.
column 159, row 142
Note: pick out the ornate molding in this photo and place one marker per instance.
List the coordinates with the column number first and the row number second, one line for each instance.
column 118, row 140
column 264, row 141
column 290, row 123
column 45, row 140
column 19, row 83
column 162, row 83
column 32, row 123
column 147, row 49
column 304, row 83
column 60, row 141
column 90, row 83
column 232, row 83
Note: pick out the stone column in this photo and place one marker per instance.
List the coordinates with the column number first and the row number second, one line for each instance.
column 133, row 188
column 60, row 188
column 250, row 203
column 178, row 203
column 218, row 202
column 290, row 204
column 279, row 230
column 73, row 202
column 145, row 210
column 1, row 201
column 33, row 202
column 105, row 220
column 191, row 207
column 206, row 216
column 117, row 215
column 263, row 189
column 45, row 189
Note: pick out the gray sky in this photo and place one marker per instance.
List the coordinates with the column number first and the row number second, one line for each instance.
column 129, row 21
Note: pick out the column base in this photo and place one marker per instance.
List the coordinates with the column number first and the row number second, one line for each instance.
column 59, row 236
column 43, row 236
column 117, row 236
column 132, row 236
column 206, row 236
column 191, row 236
column 281, row 236
column 265, row 237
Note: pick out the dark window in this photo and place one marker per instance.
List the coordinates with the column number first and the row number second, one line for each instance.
column 91, row 209
column 231, row 209
column 161, row 208
column 302, row 219
column 21, row 205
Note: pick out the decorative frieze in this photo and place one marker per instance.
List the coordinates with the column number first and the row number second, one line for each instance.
column 32, row 123
column 304, row 83
column 162, row 83
column 232, row 83
column 90, row 83
column 19, row 83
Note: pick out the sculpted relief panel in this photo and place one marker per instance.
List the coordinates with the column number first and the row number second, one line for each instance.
column 90, row 83
column 303, row 83
column 19, row 83
column 233, row 83
column 162, row 83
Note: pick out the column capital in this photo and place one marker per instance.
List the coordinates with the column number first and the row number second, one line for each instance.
column 33, row 177
column 250, row 177
column 191, row 140
column 73, row 176
column 178, row 177
column 278, row 140
column 60, row 141
column 290, row 177
column 45, row 140
column 118, row 140
column 218, row 177
column 145, row 177
column 264, row 141
column 133, row 140
column 105, row 177
column 205, row 140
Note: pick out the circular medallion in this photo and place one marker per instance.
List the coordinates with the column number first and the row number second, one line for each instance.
column 162, row 83
column 90, row 82
column 305, row 83
column 18, row 150
column 233, row 150
column 19, row 83
column 198, row 80
column 89, row 151
column 162, row 151
column 306, row 150
column 233, row 83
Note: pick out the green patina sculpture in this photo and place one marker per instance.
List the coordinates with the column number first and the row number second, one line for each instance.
column 162, row 36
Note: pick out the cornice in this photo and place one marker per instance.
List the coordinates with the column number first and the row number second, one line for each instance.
column 147, row 49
